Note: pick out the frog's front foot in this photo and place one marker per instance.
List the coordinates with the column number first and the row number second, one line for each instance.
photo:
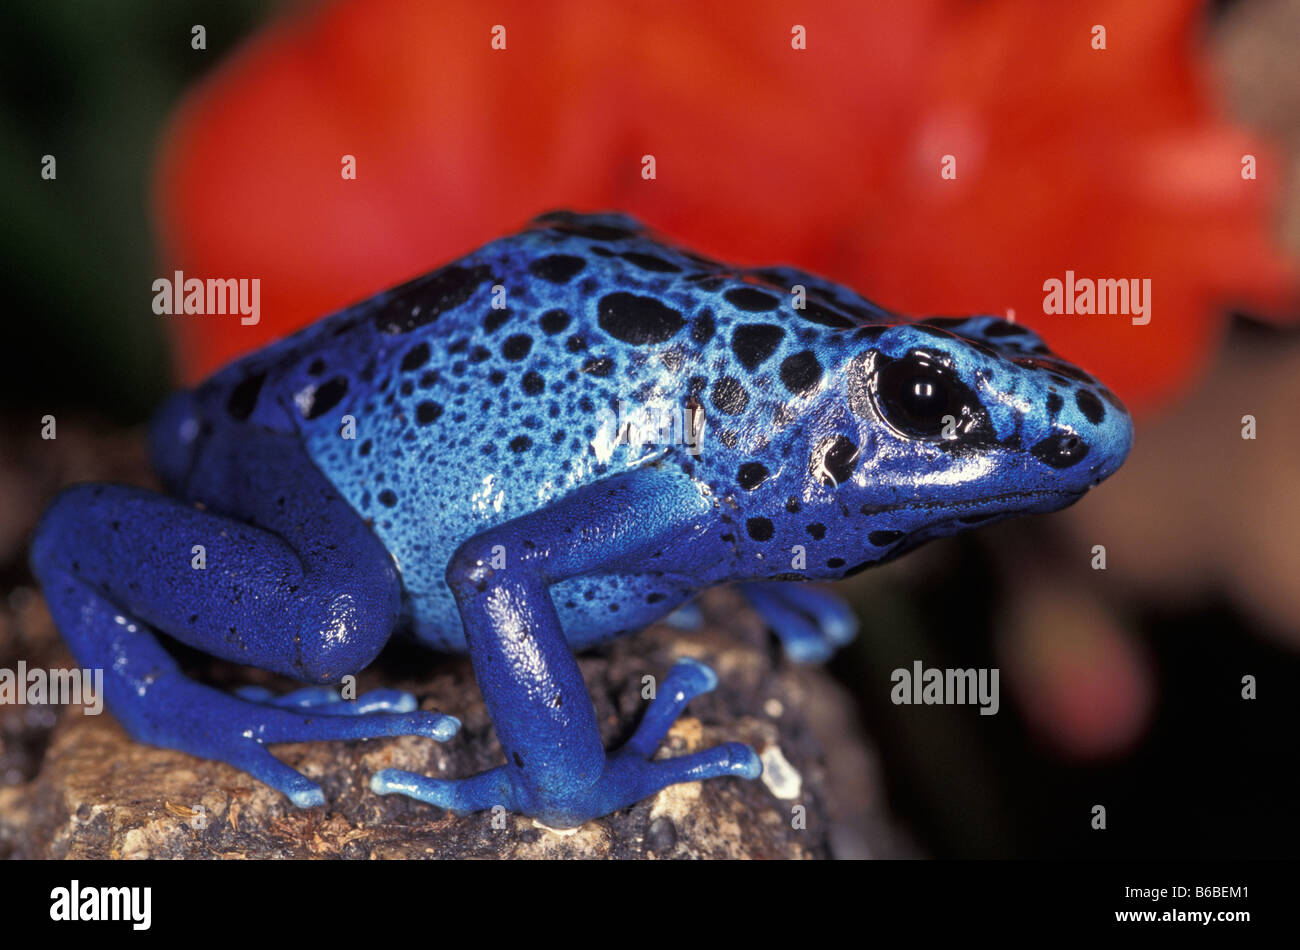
column 629, row 775
column 811, row 623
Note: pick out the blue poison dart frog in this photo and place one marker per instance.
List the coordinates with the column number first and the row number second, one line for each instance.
column 553, row 441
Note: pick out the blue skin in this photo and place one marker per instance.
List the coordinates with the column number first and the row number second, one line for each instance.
column 490, row 501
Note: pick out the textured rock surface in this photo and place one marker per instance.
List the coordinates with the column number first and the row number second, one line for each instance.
column 75, row 785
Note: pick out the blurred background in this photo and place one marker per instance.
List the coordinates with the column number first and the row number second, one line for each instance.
column 1121, row 687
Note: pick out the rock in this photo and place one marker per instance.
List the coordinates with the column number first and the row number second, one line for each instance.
column 74, row 785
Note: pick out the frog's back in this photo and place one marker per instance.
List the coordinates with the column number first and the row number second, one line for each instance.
column 483, row 390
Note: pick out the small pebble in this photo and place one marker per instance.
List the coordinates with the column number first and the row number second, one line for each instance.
column 661, row 837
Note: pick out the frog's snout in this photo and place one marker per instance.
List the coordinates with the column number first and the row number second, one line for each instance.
column 1116, row 444
column 1091, row 442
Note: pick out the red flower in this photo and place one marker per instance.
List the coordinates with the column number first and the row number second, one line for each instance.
column 1112, row 163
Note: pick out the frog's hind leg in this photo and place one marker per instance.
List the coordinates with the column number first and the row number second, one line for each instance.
column 556, row 769
column 304, row 593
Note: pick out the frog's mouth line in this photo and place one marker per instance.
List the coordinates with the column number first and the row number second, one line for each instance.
column 935, row 530
column 1028, row 496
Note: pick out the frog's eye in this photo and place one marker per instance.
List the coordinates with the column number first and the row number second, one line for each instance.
column 923, row 398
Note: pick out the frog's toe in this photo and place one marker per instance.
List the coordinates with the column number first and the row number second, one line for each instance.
column 810, row 623
column 255, row 694
column 263, row 766
column 307, row 696
column 329, row 701
column 686, row 617
column 687, row 679
column 633, row 774
column 385, row 700
column 462, row 796
column 315, row 724
column 642, row 778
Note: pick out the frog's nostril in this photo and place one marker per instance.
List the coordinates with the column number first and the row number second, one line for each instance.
column 1061, row 449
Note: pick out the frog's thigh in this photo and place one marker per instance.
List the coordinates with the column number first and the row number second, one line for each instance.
column 222, row 586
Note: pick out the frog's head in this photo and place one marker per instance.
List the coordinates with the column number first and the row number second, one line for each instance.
column 946, row 424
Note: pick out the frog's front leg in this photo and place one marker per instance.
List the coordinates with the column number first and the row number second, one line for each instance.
column 556, row 769
column 811, row 623
column 307, row 592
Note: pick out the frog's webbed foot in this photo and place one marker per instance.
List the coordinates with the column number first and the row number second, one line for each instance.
column 236, row 729
column 323, row 714
column 810, row 622
column 629, row 775
column 180, row 714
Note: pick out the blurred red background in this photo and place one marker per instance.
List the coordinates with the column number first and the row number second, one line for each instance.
column 1114, row 162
